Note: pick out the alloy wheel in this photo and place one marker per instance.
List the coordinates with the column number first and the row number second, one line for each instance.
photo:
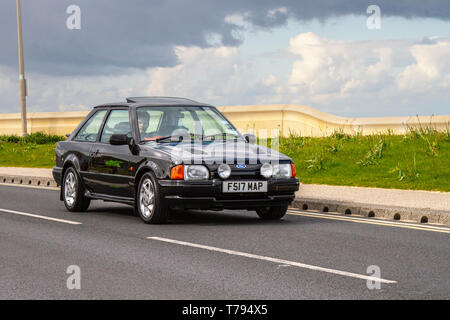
column 147, row 198
column 70, row 189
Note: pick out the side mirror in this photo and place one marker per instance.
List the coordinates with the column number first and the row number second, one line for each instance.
column 118, row 139
column 250, row 138
column 122, row 139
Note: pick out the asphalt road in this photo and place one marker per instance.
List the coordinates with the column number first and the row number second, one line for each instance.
column 211, row 255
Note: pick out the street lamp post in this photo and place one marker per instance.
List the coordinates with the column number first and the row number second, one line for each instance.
column 23, row 83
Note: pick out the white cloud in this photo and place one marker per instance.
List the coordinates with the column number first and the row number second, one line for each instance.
column 52, row 93
column 342, row 77
column 368, row 76
column 270, row 80
column 272, row 13
column 216, row 75
column 431, row 67
column 337, row 67
column 9, row 90
column 238, row 19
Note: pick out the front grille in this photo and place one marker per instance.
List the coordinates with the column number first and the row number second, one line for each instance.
column 245, row 176
column 242, row 175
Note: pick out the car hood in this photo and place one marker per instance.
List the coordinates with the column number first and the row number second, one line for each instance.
column 237, row 152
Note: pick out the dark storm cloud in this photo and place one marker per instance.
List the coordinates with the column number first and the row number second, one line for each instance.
column 141, row 33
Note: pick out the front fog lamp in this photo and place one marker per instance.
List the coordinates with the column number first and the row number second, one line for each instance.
column 282, row 170
column 224, row 171
column 266, row 170
column 196, row 172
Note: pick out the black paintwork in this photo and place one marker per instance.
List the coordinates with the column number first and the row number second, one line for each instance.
column 119, row 182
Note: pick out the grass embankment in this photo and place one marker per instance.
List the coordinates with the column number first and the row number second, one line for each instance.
column 36, row 150
column 417, row 160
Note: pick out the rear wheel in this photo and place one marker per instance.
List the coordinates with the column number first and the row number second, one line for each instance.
column 272, row 213
column 150, row 204
column 73, row 192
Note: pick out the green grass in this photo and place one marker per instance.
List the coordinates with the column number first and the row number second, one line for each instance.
column 30, row 155
column 418, row 160
column 33, row 138
column 36, row 150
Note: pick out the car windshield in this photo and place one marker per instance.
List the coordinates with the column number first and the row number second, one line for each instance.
column 166, row 124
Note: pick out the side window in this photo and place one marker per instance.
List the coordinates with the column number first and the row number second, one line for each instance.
column 89, row 131
column 118, row 123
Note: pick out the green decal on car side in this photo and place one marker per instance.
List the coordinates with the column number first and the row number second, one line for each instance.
column 113, row 163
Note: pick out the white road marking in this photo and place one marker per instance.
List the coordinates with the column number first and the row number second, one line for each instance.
column 275, row 260
column 38, row 216
column 369, row 221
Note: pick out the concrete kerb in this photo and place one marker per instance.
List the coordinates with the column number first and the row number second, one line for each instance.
column 29, row 181
column 394, row 213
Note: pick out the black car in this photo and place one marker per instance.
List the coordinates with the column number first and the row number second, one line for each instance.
column 160, row 154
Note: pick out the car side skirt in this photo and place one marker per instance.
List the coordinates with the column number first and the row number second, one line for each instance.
column 105, row 197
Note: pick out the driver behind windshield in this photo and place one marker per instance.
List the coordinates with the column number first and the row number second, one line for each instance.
column 183, row 123
column 143, row 121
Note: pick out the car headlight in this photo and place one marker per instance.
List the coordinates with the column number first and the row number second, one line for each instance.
column 196, row 172
column 224, row 171
column 266, row 170
column 282, row 170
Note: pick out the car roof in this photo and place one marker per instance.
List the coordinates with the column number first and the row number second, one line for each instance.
column 154, row 101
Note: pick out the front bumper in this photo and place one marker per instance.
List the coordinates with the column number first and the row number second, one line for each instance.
column 208, row 194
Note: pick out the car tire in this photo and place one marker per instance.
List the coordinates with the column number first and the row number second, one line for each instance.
column 73, row 192
column 150, row 204
column 272, row 213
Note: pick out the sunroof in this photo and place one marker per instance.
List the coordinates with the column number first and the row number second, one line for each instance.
column 156, row 99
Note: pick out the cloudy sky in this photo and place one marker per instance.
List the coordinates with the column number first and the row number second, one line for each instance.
column 234, row 52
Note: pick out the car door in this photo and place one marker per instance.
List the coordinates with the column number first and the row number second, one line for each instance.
column 83, row 142
column 110, row 164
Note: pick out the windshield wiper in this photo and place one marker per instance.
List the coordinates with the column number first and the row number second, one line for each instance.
column 166, row 138
column 223, row 135
column 180, row 138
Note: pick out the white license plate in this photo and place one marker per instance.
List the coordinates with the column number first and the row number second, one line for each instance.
column 244, row 186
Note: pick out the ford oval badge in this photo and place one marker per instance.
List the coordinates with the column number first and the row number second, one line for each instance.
column 241, row 166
